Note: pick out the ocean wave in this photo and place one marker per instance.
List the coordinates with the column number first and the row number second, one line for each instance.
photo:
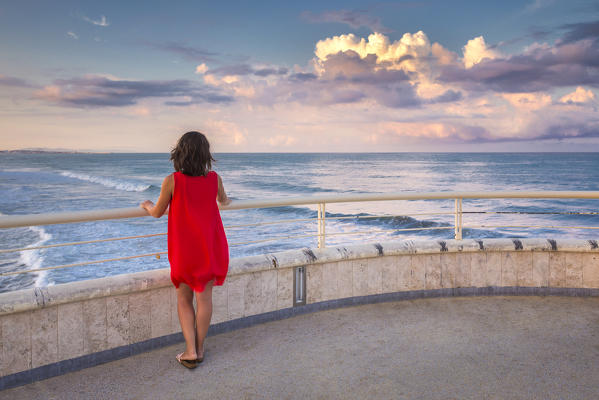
column 28, row 259
column 361, row 219
column 33, row 259
column 108, row 182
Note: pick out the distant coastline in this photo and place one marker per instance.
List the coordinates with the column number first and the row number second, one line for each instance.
column 67, row 151
column 48, row 151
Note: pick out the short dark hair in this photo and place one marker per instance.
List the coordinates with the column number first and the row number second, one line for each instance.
column 192, row 155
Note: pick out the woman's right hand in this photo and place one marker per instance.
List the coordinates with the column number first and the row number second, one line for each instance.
column 147, row 205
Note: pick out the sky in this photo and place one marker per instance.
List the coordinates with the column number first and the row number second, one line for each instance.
column 309, row 76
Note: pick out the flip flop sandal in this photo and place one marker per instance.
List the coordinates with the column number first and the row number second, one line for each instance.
column 191, row 364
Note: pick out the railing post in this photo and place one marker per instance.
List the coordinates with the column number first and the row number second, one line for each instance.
column 321, row 226
column 458, row 219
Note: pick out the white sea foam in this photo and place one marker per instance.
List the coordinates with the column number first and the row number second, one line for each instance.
column 108, row 182
column 20, row 170
column 33, row 259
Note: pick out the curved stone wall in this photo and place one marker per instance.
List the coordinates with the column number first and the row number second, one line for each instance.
column 53, row 330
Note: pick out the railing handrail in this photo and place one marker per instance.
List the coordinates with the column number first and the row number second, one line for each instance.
column 14, row 221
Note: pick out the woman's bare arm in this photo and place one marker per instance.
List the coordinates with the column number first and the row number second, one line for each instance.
column 166, row 192
column 222, row 195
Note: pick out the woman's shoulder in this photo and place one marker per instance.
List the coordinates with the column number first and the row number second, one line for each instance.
column 169, row 180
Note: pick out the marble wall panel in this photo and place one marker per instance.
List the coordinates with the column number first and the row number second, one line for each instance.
column 236, row 295
column 524, row 268
column 404, row 272
column 16, row 339
column 390, row 274
column 94, row 325
column 345, row 283
column 284, row 288
column 557, row 269
column 140, row 312
column 117, row 320
column 314, row 292
column 175, row 324
column 360, row 277
column 44, row 336
column 494, row 268
column 463, row 273
column 374, row 273
column 253, row 299
column 540, row 269
column 478, row 268
column 590, row 270
column 509, row 271
column 160, row 312
column 574, row 270
column 330, row 273
column 418, row 272
column 432, row 264
column 448, row 269
column 269, row 290
column 70, row 330
column 219, row 304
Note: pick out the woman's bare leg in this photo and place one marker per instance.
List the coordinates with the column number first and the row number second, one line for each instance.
column 203, row 316
column 187, row 320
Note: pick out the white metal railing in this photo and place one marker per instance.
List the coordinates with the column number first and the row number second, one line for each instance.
column 13, row 221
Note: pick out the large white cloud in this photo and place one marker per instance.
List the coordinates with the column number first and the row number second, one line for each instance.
column 476, row 50
column 405, row 53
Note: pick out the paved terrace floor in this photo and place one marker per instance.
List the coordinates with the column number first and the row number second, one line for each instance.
column 444, row 348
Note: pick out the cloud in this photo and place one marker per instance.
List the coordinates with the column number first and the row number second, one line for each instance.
column 476, row 50
column 187, row 52
column 100, row 91
column 72, row 35
column 15, row 82
column 281, row 141
column 353, row 18
column 485, row 96
column 98, row 22
column 401, row 54
column 270, row 71
column 396, row 74
column 539, row 68
column 201, row 69
column 303, row 76
column 347, row 70
column 447, row 97
column 537, row 5
column 528, row 101
column 579, row 96
column 584, row 30
column 431, row 132
column 245, row 69
column 141, row 111
column 444, row 56
column 225, row 132
column 572, row 129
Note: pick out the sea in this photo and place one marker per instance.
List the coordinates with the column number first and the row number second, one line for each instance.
column 33, row 183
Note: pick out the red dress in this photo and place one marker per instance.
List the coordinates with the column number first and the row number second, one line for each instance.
column 197, row 246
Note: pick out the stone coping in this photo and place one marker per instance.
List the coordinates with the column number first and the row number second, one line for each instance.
column 34, row 298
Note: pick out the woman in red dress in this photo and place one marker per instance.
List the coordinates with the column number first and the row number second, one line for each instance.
column 197, row 246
